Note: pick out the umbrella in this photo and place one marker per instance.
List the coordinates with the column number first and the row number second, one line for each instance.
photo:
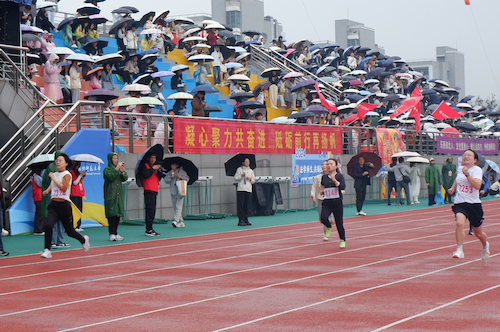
column 145, row 17
column 230, row 65
column 194, row 38
column 61, row 51
column 121, row 10
column 358, row 72
column 493, row 165
column 449, row 130
column 30, row 37
column 33, row 58
column 156, row 150
column 391, row 97
column 187, row 165
column 205, row 88
column 355, row 98
column 211, row 108
column 232, row 164
column 41, row 161
column 86, row 157
column 152, row 56
column 150, row 101
column 301, row 115
column 406, row 154
column 303, row 84
column 356, row 83
column 100, row 44
column 183, row 20
column 127, row 102
column 108, row 58
column 98, row 19
column 316, row 109
column 136, row 88
column 238, row 77
column 441, row 82
column 118, row 24
column 293, row 74
column 255, row 112
column 226, row 33
column 179, row 68
column 180, row 95
column 143, row 79
column 251, row 33
column 79, row 57
column 370, row 157
column 242, row 95
column 90, row 1
column 102, row 94
column 157, row 17
column 242, row 56
column 132, row 9
column 465, row 126
column 45, row 4
column 162, row 73
column 252, row 104
column 152, row 31
column 66, row 20
column 417, row 160
column 88, row 9
column 261, row 86
column 216, row 26
column 346, row 108
column 201, row 57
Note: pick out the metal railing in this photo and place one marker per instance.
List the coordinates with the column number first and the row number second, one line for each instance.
column 67, row 122
column 267, row 58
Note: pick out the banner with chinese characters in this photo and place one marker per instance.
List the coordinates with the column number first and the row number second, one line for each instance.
column 457, row 145
column 228, row 137
column 389, row 142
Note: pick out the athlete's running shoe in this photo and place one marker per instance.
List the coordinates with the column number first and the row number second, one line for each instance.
column 459, row 253
column 486, row 252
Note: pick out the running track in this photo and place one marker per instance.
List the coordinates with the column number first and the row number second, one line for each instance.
column 396, row 274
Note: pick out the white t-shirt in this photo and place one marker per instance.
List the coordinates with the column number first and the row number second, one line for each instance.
column 465, row 192
column 56, row 191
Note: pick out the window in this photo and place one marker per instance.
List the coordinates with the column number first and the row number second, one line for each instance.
column 233, row 19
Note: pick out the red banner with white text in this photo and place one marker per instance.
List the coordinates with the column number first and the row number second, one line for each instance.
column 230, row 137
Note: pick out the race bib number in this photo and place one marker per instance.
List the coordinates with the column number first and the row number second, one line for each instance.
column 331, row 193
column 465, row 189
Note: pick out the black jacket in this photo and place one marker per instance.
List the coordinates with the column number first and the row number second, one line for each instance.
column 327, row 182
column 359, row 178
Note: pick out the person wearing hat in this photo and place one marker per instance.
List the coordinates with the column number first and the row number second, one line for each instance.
column 151, row 175
column 449, row 172
column 433, row 180
column 198, row 104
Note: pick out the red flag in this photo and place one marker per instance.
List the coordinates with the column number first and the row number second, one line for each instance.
column 467, row 2
column 415, row 113
column 445, row 112
column 406, row 106
column 416, row 93
column 328, row 104
column 350, row 119
column 364, row 108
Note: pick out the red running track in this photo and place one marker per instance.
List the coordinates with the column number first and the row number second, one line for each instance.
column 396, row 274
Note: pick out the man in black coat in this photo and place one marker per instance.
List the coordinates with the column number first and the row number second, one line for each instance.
column 391, row 180
column 361, row 180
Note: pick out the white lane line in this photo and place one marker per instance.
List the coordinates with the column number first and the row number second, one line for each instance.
column 288, row 282
column 385, row 327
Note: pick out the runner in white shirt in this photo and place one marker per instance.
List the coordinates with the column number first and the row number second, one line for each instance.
column 467, row 203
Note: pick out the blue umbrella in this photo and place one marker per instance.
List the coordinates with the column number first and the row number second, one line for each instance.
column 314, row 48
column 253, row 42
column 428, row 92
column 303, row 84
column 230, row 65
column 355, row 98
column 493, row 165
column 150, row 51
column 66, row 20
column 316, row 109
column 205, row 88
column 331, row 45
column 385, row 63
column 376, row 72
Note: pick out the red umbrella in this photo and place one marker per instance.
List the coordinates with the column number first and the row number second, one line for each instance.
column 356, row 82
column 370, row 157
column 450, row 130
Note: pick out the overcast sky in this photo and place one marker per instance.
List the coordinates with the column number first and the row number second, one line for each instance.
column 409, row 28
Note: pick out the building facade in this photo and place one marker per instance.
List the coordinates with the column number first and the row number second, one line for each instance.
column 351, row 33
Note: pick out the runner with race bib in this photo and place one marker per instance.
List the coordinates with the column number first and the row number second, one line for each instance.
column 467, row 203
column 332, row 185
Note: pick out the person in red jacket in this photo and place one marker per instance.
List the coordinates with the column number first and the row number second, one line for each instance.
column 77, row 190
column 151, row 175
column 36, row 184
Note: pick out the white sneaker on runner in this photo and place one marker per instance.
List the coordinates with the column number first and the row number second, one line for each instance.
column 112, row 237
column 325, row 238
column 486, row 252
column 118, row 237
column 46, row 254
column 458, row 254
column 86, row 244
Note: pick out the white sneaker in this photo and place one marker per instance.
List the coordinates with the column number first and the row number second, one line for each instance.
column 497, row 195
column 79, row 230
column 458, row 254
column 5, row 232
column 86, row 245
column 326, row 238
column 118, row 237
column 46, row 254
column 181, row 224
column 112, row 237
column 175, row 224
column 361, row 213
column 486, row 252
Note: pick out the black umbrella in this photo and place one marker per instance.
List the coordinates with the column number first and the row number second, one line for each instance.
column 156, row 150
column 261, row 86
column 252, row 104
column 102, row 94
column 205, row 88
column 121, row 10
column 316, row 109
column 241, row 95
column 226, row 33
column 100, row 44
column 370, row 157
column 145, row 17
column 30, row 37
column 391, row 97
column 251, row 33
column 118, row 24
column 33, row 58
column 211, row 108
column 341, row 103
column 301, row 115
column 232, row 164
column 355, row 98
column 465, row 126
column 226, row 53
column 187, row 165
column 428, row 92
column 466, row 99
column 133, row 9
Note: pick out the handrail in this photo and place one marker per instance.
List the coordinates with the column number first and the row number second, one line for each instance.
column 282, row 62
column 13, row 47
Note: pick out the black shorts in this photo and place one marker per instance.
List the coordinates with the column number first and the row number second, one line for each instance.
column 472, row 211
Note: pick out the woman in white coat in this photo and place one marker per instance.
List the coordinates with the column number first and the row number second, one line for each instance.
column 415, row 183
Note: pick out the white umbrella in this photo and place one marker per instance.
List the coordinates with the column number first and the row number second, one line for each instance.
column 417, row 160
column 191, row 31
column 441, row 125
column 194, row 38
column 440, row 82
column 86, row 157
column 237, row 49
column 283, row 120
column 208, row 22
column 151, row 32
column 238, row 77
column 204, row 46
column 151, row 101
column 79, row 57
column 45, row 4
column 136, row 88
column 201, row 57
column 406, row 154
column 358, row 72
column 62, row 51
column 293, row 74
column 242, row 56
column 127, row 102
column 180, row 95
column 216, row 26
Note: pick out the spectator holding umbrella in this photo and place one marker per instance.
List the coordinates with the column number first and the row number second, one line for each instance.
column 449, row 172
column 107, row 77
column 391, row 179
column 433, row 181
column 121, row 36
column 245, row 178
column 132, row 39
column 198, row 104
column 174, row 175
column 401, row 170
column 361, row 177
column 75, row 79
column 114, row 174
column 218, row 59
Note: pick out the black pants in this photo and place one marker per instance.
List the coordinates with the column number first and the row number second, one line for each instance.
column 447, row 197
column 60, row 211
column 390, row 186
column 121, row 45
column 79, row 204
column 113, row 225
column 39, row 219
column 243, row 199
column 360, row 197
column 150, row 206
column 66, row 95
column 336, row 207
column 432, row 195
